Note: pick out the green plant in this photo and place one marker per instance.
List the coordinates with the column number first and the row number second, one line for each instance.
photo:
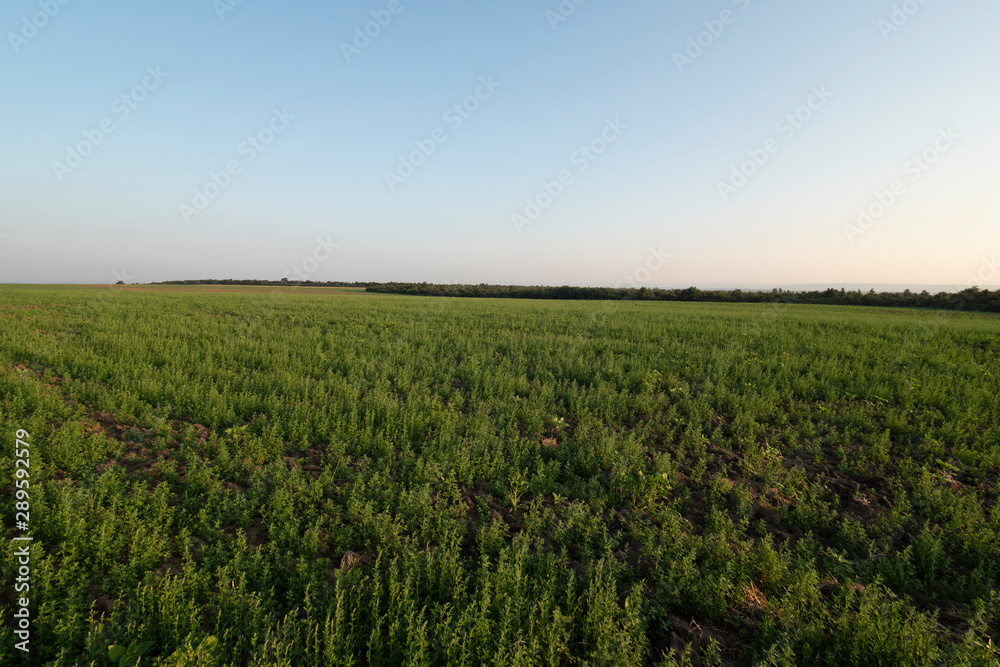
column 203, row 655
column 127, row 656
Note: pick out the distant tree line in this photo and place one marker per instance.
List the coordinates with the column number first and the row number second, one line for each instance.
column 972, row 298
column 284, row 282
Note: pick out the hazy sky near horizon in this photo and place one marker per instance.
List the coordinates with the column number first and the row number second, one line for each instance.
column 665, row 144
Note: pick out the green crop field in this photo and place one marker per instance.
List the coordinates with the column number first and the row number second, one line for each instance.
column 258, row 477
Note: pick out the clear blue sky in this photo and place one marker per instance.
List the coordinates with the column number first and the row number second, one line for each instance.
column 679, row 127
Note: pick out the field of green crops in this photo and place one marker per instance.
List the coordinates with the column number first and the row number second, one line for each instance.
column 295, row 478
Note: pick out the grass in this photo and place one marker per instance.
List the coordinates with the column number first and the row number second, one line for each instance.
column 259, row 477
